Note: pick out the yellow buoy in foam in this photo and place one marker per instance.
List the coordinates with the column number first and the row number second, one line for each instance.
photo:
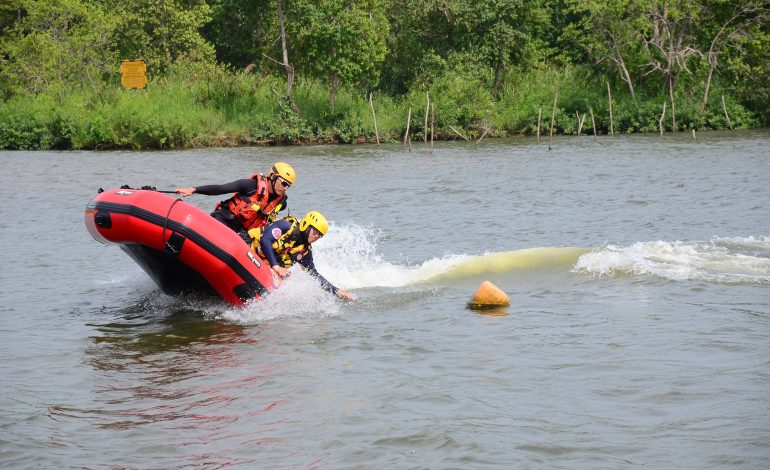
column 488, row 296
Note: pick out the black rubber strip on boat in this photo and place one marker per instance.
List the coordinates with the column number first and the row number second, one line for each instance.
column 200, row 240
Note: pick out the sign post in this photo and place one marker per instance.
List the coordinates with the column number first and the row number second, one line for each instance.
column 132, row 74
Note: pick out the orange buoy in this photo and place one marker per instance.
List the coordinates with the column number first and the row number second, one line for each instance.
column 488, row 296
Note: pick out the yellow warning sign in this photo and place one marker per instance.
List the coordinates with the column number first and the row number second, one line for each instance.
column 132, row 74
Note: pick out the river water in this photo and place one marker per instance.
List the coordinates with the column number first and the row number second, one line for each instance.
column 638, row 334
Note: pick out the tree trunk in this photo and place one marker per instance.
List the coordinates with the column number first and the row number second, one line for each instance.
column 706, row 92
column 498, row 75
column 286, row 65
column 724, row 108
column 617, row 57
column 671, row 82
column 627, row 78
column 333, row 91
column 660, row 121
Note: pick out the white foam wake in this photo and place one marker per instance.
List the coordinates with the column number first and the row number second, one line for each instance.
column 300, row 296
column 348, row 257
column 722, row 260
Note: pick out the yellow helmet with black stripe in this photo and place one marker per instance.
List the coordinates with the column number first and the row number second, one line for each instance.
column 314, row 219
column 285, row 171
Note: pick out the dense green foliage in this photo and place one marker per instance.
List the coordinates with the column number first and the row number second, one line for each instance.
column 239, row 72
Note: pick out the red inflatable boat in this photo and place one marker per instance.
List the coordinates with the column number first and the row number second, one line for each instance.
column 181, row 247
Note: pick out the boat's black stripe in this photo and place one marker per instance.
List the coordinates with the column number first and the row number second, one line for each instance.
column 200, row 240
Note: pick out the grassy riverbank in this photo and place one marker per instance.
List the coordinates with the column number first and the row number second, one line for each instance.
column 235, row 109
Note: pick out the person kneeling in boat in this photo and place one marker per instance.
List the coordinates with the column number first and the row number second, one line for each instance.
column 288, row 241
column 256, row 202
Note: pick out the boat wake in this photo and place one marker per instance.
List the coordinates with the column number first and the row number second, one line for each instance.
column 720, row 260
column 350, row 259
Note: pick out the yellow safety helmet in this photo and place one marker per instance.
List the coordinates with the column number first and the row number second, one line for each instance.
column 285, row 171
column 315, row 219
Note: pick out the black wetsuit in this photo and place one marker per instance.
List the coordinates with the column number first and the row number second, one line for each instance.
column 245, row 186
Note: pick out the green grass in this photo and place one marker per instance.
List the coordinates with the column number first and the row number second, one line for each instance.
column 223, row 108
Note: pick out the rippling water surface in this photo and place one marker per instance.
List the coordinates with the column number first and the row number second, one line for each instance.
column 638, row 334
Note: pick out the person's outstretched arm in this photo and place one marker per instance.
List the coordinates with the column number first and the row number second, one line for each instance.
column 243, row 186
column 307, row 263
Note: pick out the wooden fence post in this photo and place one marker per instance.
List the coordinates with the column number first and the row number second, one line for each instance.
column 376, row 132
column 432, row 123
column 660, row 121
column 553, row 120
column 425, row 126
column 580, row 122
column 673, row 105
column 407, row 141
column 609, row 98
column 724, row 108
column 539, row 116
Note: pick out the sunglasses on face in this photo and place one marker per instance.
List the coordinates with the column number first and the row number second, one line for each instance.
column 285, row 183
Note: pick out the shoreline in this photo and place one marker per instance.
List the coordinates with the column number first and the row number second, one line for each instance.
column 417, row 143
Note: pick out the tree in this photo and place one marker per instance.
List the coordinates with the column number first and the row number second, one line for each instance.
column 56, row 45
column 341, row 41
column 499, row 33
column 671, row 42
column 611, row 32
column 285, row 50
column 242, row 31
column 732, row 23
column 423, row 35
column 162, row 31
column 10, row 13
column 431, row 38
column 246, row 33
column 749, row 74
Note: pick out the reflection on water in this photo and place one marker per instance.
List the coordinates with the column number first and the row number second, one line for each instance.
column 207, row 379
column 168, row 371
column 198, row 381
column 139, row 334
column 492, row 312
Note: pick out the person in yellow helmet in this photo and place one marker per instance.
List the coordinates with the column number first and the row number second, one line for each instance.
column 288, row 241
column 256, row 200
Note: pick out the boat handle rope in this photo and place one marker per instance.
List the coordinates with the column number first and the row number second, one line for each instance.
column 165, row 226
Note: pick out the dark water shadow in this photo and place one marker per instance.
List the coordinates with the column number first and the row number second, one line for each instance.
column 491, row 311
column 161, row 361
column 156, row 324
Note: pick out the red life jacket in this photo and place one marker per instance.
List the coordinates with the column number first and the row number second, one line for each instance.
column 256, row 209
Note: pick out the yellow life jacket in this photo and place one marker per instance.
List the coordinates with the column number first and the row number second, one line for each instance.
column 286, row 246
column 256, row 234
